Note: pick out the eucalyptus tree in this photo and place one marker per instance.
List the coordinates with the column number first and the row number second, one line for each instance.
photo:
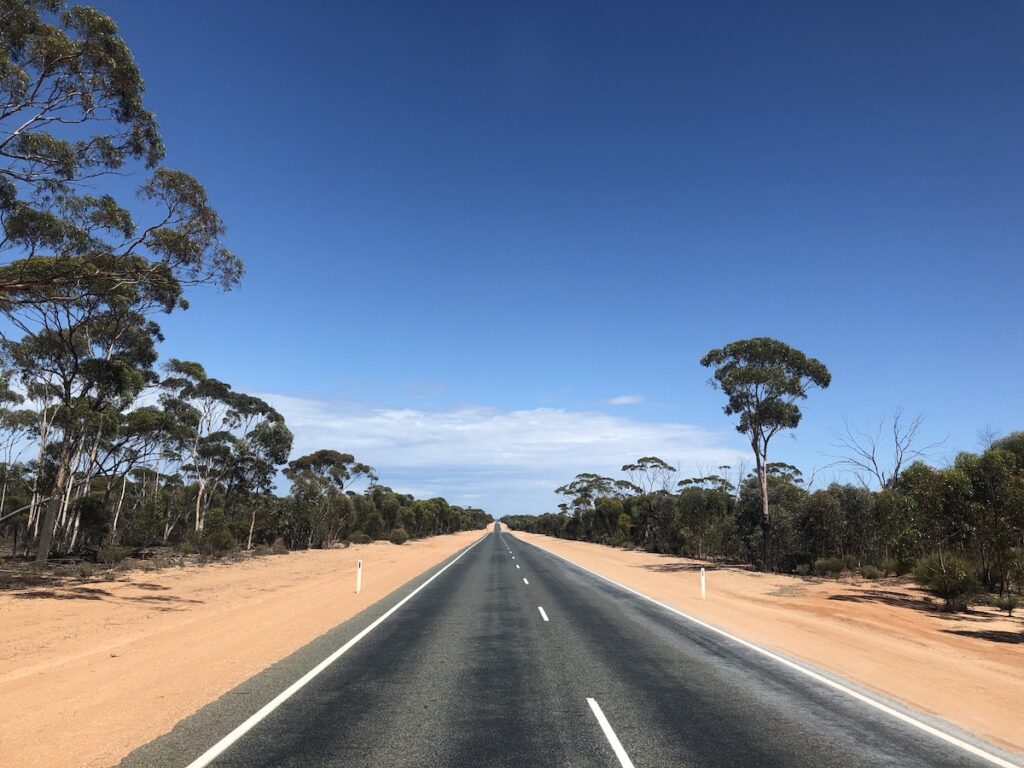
column 764, row 379
column 319, row 481
column 227, row 437
column 77, row 262
column 650, row 474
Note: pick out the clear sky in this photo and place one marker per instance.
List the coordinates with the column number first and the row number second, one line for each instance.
column 488, row 243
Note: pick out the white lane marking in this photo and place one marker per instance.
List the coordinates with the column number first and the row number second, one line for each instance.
column 525, row 581
column 609, row 734
column 217, row 749
column 517, row 566
column 905, row 718
column 542, row 614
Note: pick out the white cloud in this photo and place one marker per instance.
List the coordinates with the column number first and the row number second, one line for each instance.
column 507, row 462
column 626, row 400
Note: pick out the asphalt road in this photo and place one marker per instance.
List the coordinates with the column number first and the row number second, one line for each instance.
column 512, row 657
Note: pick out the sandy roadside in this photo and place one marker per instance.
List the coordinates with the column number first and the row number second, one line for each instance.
column 90, row 672
column 966, row 669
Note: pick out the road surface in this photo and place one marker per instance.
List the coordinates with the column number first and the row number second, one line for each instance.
column 509, row 656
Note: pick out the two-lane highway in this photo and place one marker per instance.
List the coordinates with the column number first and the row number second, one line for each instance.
column 509, row 656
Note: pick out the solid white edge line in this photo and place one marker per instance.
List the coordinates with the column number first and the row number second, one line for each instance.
column 247, row 725
column 609, row 734
column 905, row 718
column 542, row 614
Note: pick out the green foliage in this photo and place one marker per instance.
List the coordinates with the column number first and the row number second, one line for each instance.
column 216, row 538
column 763, row 380
column 398, row 536
column 951, row 578
column 870, row 572
column 1008, row 603
column 830, row 567
column 111, row 554
column 358, row 537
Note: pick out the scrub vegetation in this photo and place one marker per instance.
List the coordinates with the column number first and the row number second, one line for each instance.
column 958, row 529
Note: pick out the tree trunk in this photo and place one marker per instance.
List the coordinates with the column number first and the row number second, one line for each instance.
column 252, row 526
column 117, row 513
column 49, row 516
column 766, row 526
column 199, row 507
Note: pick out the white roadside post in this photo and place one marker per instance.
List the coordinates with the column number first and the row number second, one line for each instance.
column 703, row 586
column 359, row 576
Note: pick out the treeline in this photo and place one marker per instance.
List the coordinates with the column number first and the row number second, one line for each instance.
column 963, row 523
column 195, row 469
column 102, row 447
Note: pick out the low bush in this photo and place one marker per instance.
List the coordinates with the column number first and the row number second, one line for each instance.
column 870, row 572
column 895, row 567
column 803, row 569
column 86, row 570
column 218, row 541
column 111, row 554
column 1008, row 603
column 279, row 547
column 398, row 536
column 950, row 578
column 829, row 566
column 359, row 537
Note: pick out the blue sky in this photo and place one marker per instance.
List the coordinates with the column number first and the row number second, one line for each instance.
column 470, row 227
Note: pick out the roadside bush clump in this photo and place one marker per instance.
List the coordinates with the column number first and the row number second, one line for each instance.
column 870, row 572
column 111, row 554
column 398, row 536
column 829, row 566
column 1008, row 603
column 803, row 569
column 950, row 578
column 279, row 547
column 895, row 567
column 358, row 537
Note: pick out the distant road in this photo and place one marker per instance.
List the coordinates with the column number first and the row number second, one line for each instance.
column 509, row 656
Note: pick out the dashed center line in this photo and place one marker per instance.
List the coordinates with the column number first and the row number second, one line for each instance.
column 609, row 734
column 525, row 581
column 517, row 566
column 542, row 614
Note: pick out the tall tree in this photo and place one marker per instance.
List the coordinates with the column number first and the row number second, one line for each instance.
column 764, row 379
column 78, row 265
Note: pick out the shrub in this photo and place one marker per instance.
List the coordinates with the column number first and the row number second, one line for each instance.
column 950, row 578
column 218, row 541
column 870, row 572
column 358, row 537
column 398, row 536
column 86, row 570
column 279, row 547
column 111, row 554
column 829, row 566
column 895, row 566
column 1007, row 603
column 803, row 569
